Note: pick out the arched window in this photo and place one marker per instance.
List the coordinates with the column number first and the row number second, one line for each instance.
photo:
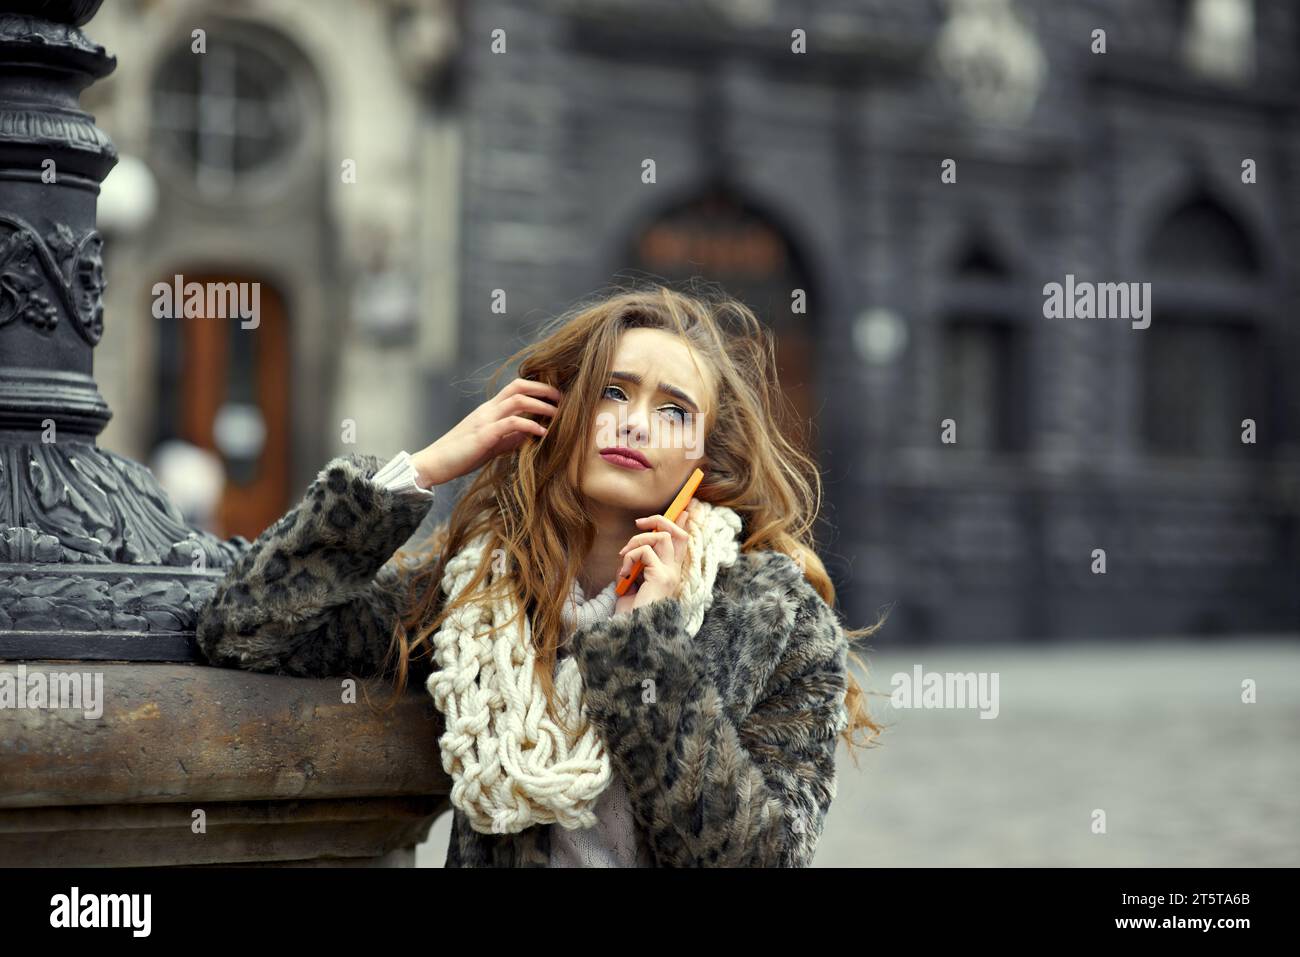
column 233, row 115
column 1202, row 356
column 982, row 368
column 1200, row 237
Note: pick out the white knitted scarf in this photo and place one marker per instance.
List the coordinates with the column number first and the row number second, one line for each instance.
column 510, row 765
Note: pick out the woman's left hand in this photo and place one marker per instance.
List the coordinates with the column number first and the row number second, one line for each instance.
column 662, row 550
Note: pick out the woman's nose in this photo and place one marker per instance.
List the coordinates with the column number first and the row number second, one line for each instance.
column 636, row 429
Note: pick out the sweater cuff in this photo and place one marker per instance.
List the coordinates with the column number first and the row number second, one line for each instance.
column 399, row 475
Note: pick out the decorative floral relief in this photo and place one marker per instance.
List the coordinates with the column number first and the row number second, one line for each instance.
column 69, row 266
column 21, row 284
column 32, row 602
column 75, row 503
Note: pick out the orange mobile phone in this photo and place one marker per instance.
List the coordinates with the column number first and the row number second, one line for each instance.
column 679, row 505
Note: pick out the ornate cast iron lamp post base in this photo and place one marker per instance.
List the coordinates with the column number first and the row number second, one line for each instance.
column 95, row 561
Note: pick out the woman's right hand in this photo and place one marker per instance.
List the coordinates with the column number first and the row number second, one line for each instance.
column 496, row 426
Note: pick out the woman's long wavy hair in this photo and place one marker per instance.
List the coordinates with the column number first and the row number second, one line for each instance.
column 528, row 501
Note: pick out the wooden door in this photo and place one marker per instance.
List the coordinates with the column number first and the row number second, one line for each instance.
column 229, row 377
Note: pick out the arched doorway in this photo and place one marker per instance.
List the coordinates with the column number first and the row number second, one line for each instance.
column 720, row 237
column 225, row 388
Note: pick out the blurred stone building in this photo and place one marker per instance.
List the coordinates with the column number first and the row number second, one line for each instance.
column 300, row 146
column 790, row 151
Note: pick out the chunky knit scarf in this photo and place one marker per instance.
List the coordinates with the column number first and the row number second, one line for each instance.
column 511, row 766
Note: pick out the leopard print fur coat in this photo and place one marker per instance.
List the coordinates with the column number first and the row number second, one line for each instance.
column 732, row 764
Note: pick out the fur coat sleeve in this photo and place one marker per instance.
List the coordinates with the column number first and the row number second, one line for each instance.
column 314, row 595
column 726, row 740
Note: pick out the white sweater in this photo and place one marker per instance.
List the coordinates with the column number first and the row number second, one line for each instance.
column 612, row 842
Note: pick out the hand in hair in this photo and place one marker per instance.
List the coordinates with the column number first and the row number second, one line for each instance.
column 498, row 425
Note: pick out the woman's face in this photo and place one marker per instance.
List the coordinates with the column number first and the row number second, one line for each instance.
column 655, row 404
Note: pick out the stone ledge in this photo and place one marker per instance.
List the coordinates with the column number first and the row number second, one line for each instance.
column 173, row 732
column 283, row 769
column 328, row 833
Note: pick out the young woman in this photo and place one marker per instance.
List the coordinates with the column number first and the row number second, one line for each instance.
column 689, row 722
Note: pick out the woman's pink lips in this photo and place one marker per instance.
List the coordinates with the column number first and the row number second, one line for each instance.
column 622, row 461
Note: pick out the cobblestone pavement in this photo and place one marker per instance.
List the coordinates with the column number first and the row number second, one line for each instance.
column 1155, row 735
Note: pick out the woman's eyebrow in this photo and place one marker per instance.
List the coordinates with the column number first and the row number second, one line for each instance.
column 664, row 387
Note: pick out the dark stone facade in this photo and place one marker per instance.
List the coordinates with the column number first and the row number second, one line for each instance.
column 1080, row 433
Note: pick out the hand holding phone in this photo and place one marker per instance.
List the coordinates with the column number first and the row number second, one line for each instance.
column 674, row 510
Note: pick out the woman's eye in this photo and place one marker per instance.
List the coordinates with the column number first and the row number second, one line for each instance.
column 676, row 412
